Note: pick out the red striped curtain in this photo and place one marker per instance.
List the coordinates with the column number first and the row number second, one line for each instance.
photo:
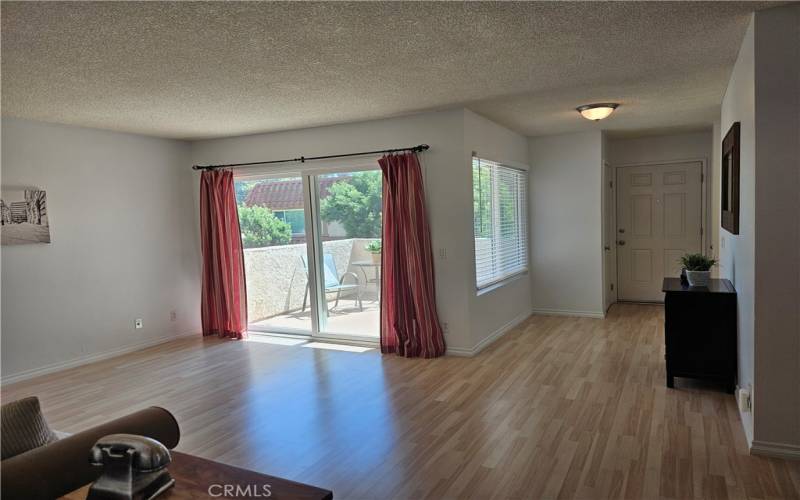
column 224, row 298
column 409, row 322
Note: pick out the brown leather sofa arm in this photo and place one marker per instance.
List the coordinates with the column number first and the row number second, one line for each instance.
column 63, row 466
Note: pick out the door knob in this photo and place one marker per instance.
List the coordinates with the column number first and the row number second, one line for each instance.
column 621, row 243
column 607, row 248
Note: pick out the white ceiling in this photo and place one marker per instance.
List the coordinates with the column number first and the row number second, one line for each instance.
column 207, row 69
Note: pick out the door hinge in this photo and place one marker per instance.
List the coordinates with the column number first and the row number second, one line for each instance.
column 702, row 177
column 611, row 184
column 701, row 231
column 612, row 286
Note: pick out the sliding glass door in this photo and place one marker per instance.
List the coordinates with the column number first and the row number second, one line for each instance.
column 312, row 251
column 350, row 234
column 272, row 218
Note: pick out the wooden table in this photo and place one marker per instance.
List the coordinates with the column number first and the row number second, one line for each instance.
column 197, row 477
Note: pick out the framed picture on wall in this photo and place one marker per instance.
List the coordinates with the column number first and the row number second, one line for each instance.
column 730, row 180
column 23, row 217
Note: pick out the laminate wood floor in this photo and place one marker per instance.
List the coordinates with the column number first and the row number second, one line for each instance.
column 558, row 408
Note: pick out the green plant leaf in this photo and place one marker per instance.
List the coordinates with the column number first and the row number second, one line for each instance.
column 697, row 262
column 261, row 228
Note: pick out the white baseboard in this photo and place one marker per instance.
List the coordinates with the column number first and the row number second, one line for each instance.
column 461, row 352
column 483, row 344
column 777, row 450
column 90, row 358
column 569, row 312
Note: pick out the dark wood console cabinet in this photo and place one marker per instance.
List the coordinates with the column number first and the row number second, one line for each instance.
column 700, row 331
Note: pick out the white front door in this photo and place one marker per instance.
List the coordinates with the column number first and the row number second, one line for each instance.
column 659, row 218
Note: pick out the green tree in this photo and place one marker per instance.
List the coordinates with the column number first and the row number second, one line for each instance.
column 261, row 228
column 489, row 190
column 355, row 202
column 481, row 206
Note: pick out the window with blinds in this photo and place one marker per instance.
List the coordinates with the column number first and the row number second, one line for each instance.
column 500, row 221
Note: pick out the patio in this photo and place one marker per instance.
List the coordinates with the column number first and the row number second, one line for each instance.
column 346, row 318
column 278, row 298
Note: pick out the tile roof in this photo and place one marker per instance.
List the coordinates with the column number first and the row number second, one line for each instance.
column 285, row 194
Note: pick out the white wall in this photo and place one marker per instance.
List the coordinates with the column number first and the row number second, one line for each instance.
column 716, row 191
column 763, row 260
column 777, row 227
column 123, row 214
column 470, row 320
column 123, row 246
column 653, row 149
column 447, row 183
column 566, row 223
column 494, row 311
column 737, row 252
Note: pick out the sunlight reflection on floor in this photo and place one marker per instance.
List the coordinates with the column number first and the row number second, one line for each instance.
column 338, row 347
column 268, row 339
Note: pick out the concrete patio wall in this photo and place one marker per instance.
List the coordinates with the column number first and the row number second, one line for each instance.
column 276, row 276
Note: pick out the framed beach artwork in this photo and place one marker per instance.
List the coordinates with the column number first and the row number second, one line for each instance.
column 23, row 217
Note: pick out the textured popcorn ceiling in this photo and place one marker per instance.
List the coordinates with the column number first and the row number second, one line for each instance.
column 196, row 70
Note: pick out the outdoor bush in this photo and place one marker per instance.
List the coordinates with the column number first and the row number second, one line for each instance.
column 261, row 228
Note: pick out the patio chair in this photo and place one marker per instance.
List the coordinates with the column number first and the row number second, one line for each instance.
column 333, row 283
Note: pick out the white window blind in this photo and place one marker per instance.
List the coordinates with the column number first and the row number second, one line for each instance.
column 500, row 221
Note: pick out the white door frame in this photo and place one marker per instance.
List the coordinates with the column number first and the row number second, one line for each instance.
column 610, row 284
column 705, row 198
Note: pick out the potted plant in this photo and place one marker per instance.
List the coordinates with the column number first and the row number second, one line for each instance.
column 374, row 247
column 698, row 268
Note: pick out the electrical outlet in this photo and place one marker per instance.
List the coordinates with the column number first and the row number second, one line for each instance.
column 138, row 324
column 745, row 400
column 173, row 315
column 445, row 327
column 442, row 253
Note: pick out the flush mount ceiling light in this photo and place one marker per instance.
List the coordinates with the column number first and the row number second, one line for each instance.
column 597, row 111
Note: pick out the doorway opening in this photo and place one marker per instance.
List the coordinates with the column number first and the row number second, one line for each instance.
column 312, row 251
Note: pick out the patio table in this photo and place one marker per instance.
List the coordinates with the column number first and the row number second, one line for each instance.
column 363, row 265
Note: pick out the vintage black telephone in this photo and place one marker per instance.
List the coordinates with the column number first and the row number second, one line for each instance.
column 134, row 468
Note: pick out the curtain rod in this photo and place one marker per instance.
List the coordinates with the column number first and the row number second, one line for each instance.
column 303, row 159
